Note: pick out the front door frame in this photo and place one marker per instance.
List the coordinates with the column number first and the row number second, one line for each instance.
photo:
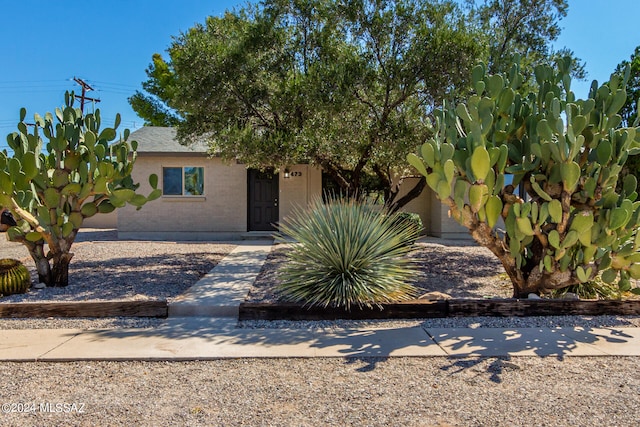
column 271, row 215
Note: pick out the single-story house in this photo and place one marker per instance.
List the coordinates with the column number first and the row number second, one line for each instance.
column 206, row 198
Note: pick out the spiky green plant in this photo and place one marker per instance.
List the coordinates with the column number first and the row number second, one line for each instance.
column 52, row 184
column 347, row 253
column 14, row 277
column 411, row 219
column 594, row 289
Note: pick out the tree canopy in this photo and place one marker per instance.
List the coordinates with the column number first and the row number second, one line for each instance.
column 525, row 28
column 345, row 85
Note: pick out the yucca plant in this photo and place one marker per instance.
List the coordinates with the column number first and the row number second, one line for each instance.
column 411, row 219
column 347, row 253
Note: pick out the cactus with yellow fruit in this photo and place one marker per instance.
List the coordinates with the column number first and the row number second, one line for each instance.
column 569, row 224
column 52, row 187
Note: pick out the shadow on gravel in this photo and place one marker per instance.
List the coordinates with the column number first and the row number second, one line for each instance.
column 440, row 268
column 495, row 367
column 371, row 362
column 147, row 277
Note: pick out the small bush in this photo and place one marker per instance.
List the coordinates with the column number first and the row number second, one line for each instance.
column 596, row 289
column 347, row 253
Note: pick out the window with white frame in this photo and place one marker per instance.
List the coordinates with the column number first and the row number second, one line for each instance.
column 183, row 181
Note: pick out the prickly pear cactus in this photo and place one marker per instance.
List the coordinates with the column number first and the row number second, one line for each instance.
column 569, row 224
column 52, row 186
column 14, row 277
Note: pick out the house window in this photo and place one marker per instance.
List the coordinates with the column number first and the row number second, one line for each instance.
column 183, row 181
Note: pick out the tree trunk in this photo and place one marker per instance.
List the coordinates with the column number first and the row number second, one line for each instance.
column 538, row 282
column 42, row 263
column 522, row 288
column 61, row 258
column 394, row 205
column 60, row 269
column 52, row 270
column 524, row 281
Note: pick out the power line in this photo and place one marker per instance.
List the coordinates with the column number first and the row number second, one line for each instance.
column 85, row 88
column 120, row 85
column 32, row 81
column 47, row 84
column 41, row 86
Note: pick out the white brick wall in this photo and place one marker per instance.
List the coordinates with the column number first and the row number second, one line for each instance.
column 304, row 183
column 222, row 208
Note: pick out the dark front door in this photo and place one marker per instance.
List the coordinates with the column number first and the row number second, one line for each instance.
column 263, row 200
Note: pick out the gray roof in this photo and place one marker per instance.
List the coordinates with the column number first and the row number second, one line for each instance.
column 156, row 139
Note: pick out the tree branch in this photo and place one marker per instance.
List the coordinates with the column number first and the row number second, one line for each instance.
column 411, row 194
column 251, row 107
column 329, row 167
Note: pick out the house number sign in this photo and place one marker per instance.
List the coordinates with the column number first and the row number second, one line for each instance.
column 294, row 173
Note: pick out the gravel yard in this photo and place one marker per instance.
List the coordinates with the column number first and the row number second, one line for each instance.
column 435, row 391
column 104, row 268
column 524, row 391
column 459, row 269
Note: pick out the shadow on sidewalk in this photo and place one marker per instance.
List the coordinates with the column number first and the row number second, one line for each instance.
column 376, row 345
column 470, row 349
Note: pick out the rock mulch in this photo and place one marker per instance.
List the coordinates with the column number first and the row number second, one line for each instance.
column 435, row 392
column 459, row 269
column 105, row 268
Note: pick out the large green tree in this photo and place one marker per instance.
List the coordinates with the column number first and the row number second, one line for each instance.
column 344, row 85
column 155, row 105
column 525, row 28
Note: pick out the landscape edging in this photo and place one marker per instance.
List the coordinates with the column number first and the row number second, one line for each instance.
column 148, row 308
column 441, row 308
column 415, row 309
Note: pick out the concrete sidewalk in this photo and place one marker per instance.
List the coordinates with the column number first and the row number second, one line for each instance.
column 196, row 338
column 188, row 335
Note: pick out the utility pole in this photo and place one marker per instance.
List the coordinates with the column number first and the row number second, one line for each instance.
column 85, row 88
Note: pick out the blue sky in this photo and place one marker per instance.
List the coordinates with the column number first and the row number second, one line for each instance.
column 44, row 44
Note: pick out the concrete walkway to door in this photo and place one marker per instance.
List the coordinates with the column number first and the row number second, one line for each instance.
column 220, row 292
